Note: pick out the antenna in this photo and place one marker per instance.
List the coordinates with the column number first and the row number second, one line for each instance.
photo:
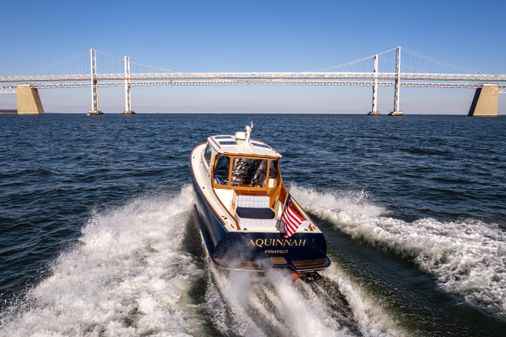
column 248, row 129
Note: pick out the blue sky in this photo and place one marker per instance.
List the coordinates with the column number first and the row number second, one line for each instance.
column 253, row 36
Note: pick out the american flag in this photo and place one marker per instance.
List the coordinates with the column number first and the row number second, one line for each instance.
column 291, row 220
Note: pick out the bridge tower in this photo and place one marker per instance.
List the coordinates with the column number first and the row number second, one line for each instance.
column 93, row 84
column 374, row 110
column 397, row 87
column 128, row 85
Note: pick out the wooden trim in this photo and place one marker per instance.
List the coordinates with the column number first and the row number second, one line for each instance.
column 247, row 188
column 230, row 172
column 230, row 166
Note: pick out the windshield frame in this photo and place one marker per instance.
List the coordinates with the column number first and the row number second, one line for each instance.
column 232, row 158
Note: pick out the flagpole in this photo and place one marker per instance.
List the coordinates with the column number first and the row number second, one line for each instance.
column 283, row 209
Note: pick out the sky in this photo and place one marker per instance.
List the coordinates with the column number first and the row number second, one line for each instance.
column 255, row 35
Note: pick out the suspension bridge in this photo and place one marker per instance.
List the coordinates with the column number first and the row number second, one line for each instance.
column 415, row 71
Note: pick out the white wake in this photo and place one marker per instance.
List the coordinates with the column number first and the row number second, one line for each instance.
column 467, row 257
column 277, row 306
column 131, row 276
column 126, row 278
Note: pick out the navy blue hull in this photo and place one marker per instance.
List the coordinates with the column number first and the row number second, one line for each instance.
column 303, row 252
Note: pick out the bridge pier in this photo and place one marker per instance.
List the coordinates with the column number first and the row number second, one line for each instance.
column 128, row 86
column 374, row 110
column 397, row 86
column 28, row 100
column 94, row 84
column 486, row 101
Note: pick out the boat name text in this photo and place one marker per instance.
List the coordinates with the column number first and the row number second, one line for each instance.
column 277, row 242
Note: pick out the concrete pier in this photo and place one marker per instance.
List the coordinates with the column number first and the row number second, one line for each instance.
column 485, row 102
column 94, row 113
column 28, row 100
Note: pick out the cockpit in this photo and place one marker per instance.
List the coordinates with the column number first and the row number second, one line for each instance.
column 250, row 187
column 245, row 176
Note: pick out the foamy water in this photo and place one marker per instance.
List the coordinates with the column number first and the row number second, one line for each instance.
column 277, row 306
column 467, row 257
column 131, row 276
column 127, row 277
column 367, row 311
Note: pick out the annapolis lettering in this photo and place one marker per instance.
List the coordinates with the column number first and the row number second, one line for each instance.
column 277, row 242
column 276, row 251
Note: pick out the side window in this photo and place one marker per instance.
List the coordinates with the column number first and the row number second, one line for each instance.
column 221, row 170
column 207, row 155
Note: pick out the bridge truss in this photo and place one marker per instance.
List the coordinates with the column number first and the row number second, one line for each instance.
column 374, row 79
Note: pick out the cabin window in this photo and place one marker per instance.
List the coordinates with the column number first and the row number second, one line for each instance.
column 221, row 170
column 249, row 172
column 273, row 174
column 207, row 155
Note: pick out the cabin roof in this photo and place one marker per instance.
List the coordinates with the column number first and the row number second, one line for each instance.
column 229, row 144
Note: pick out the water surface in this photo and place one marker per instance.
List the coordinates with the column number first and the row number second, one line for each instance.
column 97, row 234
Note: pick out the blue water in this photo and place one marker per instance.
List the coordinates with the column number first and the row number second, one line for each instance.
column 97, row 235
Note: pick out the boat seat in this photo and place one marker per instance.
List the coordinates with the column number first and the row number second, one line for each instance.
column 253, row 201
column 254, row 212
column 254, row 207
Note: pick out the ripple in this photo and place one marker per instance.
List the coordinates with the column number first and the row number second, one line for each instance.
column 420, row 151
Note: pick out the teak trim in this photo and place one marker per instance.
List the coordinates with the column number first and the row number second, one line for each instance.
column 229, row 185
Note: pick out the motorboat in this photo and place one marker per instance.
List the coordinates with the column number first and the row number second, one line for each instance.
column 247, row 217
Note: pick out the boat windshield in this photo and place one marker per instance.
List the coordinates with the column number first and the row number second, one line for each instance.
column 246, row 172
column 249, row 172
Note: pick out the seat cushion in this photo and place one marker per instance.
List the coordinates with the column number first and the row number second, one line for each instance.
column 253, row 201
column 255, row 213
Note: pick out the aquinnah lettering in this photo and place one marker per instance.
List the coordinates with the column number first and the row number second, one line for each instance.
column 277, row 242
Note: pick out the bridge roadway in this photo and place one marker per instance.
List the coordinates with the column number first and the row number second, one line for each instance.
column 10, row 88
column 413, row 80
column 281, row 76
